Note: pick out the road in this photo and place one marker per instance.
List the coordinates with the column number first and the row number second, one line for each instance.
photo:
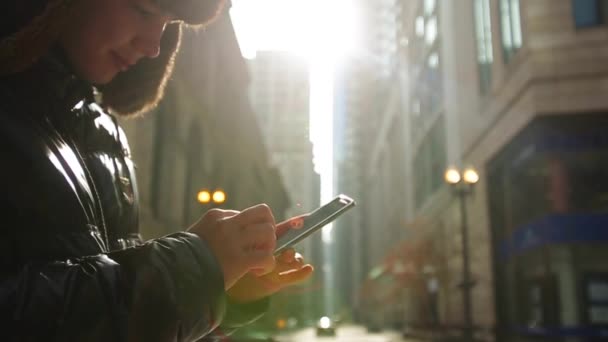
column 348, row 333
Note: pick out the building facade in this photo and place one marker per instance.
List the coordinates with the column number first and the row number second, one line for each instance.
column 370, row 158
column 519, row 94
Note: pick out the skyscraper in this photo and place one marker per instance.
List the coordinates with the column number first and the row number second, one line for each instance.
column 279, row 93
column 370, row 151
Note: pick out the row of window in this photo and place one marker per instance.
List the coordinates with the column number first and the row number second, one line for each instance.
column 430, row 163
column 427, row 99
column 511, row 36
column 586, row 13
column 427, row 96
column 425, row 71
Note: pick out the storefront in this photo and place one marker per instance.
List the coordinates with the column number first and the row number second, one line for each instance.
column 548, row 202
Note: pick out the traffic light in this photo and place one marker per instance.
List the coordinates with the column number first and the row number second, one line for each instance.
column 206, row 197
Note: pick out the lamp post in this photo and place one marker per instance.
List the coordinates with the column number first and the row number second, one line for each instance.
column 206, row 197
column 462, row 185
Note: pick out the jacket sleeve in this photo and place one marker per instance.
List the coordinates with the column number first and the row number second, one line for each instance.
column 169, row 289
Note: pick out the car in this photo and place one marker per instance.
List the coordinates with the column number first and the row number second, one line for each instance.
column 326, row 327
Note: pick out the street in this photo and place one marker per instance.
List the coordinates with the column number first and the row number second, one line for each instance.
column 347, row 333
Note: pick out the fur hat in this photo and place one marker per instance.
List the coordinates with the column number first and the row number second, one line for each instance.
column 31, row 27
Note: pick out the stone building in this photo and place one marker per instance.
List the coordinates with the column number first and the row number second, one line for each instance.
column 516, row 89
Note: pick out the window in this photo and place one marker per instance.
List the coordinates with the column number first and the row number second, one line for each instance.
column 589, row 13
column 510, row 18
column 429, row 7
column 430, row 163
column 483, row 33
column 596, row 298
column 428, row 94
column 434, row 60
column 425, row 68
column 431, row 31
column 420, row 26
column 433, row 85
column 539, row 301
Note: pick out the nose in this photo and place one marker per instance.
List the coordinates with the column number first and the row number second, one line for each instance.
column 148, row 41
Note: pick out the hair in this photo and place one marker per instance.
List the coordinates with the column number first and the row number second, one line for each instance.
column 31, row 27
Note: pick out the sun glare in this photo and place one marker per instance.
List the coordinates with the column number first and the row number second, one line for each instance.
column 304, row 27
column 323, row 32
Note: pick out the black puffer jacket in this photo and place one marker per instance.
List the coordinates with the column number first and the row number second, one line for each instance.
column 69, row 210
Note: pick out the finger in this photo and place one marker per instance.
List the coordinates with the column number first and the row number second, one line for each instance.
column 298, row 258
column 293, row 223
column 260, row 213
column 260, row 237
column 294, row 261
column 295, row 276
column 282, row 266
column 218, row 214
column 262, row 263
column 291, row 258
column 288, row 256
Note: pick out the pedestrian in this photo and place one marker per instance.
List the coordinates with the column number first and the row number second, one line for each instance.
column 72, row 263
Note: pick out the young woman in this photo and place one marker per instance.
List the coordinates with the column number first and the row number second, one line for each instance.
column 72, row 264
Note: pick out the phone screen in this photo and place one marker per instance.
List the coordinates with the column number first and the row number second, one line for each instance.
column 313, row 222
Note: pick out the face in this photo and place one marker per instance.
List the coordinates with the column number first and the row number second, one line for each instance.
column 109, row 36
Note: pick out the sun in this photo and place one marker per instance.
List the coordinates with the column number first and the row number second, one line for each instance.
column 310, row 28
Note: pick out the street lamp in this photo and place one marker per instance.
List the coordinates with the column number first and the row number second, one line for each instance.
column 206, row 197
column 219, row 196
column 462, row 185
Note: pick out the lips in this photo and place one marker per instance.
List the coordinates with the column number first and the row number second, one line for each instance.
column 121, row 63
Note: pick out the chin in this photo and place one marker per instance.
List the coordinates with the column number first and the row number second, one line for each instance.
column 98, row 75
column 102, row 79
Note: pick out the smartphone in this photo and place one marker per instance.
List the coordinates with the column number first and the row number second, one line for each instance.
column 314, row 221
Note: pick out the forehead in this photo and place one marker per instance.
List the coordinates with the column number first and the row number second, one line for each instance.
column 193, row 12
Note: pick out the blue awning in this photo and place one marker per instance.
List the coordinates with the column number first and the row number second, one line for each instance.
column 556, row 229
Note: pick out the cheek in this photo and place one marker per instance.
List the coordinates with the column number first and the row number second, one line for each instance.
column 89, row 49
column 87, row 55
column 105, row 26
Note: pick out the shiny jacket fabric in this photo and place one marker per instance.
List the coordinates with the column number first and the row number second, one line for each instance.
column 72, row 265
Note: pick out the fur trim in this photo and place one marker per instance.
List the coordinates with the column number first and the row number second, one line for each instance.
column 132, row 92
column 27, row 45
column 193, row 12
column 141, row 88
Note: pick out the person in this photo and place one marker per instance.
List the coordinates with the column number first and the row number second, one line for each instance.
column 72, row 263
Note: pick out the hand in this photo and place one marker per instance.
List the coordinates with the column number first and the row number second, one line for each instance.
column 241, row 241
column 290, row 270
